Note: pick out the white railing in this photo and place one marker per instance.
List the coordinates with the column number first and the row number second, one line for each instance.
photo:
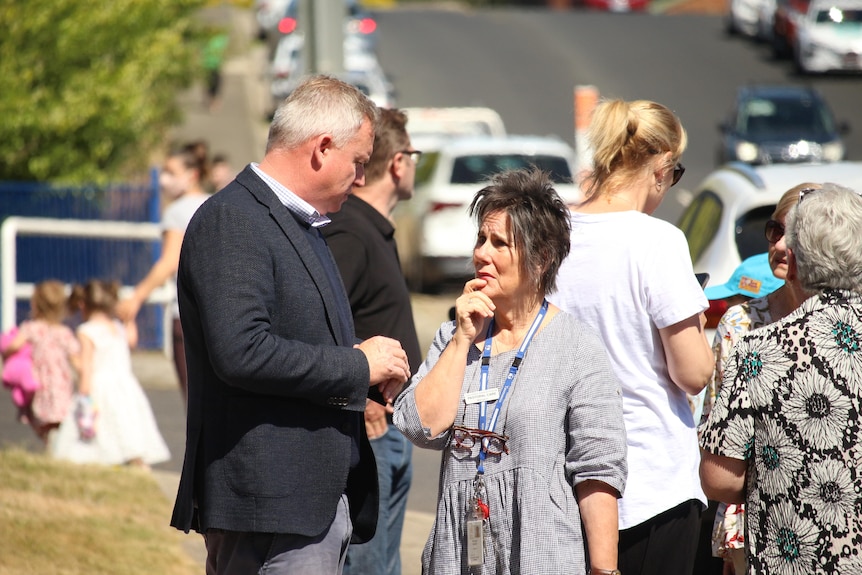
column 15, row 226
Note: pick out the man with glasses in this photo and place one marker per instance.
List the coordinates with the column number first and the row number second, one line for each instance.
column 786, row 423
column 361, row 237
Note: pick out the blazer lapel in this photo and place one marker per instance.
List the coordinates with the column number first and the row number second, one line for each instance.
column 296, row 236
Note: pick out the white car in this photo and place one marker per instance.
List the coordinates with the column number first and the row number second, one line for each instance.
column 361, row 68
column 829, row 37
column 435, row 233
column 724, row 223
column 454, row 121
column 743, row 17
column 765, row 20
column 431, row 128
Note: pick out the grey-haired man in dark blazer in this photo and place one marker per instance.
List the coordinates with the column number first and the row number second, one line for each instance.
column 278, row 471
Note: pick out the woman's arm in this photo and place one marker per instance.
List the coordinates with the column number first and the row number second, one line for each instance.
column 689, row 356
column 598, row 505
column 130, row 329
column 732, row 324
column 439, row 392
column 722, row 478
column 162, row 270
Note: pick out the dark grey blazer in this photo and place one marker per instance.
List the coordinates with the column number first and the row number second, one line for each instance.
column 275, row 394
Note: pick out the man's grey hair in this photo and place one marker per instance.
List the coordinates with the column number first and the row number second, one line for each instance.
column 321, row 104
column 824, row 231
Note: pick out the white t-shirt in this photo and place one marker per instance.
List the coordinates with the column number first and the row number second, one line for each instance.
column 628, row 275
column 176, row 217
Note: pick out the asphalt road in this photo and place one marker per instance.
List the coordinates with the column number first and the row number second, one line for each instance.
column 525, row 63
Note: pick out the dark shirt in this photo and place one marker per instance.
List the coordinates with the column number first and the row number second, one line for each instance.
column 318, row 243
column 362, row 241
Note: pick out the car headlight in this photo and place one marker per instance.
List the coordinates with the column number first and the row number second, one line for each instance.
column 746, row 151
column 833, row 151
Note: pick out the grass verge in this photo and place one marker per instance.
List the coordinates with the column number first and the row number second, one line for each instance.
column 63, row 519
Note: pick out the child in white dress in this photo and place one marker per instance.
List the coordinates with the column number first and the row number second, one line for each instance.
column 123, row 429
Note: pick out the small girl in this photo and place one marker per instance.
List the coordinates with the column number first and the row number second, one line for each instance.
column 54, row 356
column 124, row 430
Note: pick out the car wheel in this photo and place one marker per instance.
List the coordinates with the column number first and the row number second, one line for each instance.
column 798, row 65
column 413, row 274
column 730, row 27
column 779, row 47
column 428, row 277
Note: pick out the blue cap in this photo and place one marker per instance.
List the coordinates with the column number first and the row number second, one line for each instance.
column 752, row 278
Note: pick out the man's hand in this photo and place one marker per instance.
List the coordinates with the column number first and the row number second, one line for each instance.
column 388, row 364
column 375, row 419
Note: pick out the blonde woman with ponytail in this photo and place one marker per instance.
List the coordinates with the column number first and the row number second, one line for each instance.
column 630, row 277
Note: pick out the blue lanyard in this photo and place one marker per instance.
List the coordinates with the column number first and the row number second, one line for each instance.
column 513, row 370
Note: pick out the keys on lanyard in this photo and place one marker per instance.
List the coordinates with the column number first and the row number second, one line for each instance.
column 476, row 517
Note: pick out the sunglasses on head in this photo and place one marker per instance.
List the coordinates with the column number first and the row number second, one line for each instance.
column 774, row 231
column 804, row 192
column 678, row 171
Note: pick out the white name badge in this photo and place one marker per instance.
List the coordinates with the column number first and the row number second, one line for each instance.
column 492, row 394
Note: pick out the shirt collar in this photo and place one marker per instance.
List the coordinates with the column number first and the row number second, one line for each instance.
column 291, row 201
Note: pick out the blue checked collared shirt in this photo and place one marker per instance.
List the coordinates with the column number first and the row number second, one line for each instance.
column 291, row 201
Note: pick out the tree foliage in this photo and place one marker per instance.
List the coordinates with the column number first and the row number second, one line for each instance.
column 88, row 88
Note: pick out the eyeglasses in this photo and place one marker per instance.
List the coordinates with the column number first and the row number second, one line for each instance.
column 414, row 154
column 804, row 192
column 773, row 231
column 678, row 171
column 467, row 437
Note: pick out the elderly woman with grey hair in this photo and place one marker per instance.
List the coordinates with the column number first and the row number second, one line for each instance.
column 786, row 423
column 521, row 399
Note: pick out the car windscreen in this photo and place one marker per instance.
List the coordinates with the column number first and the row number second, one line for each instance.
column 761, row 117
column 848, row 17
column 750, row 238
column 479, row 168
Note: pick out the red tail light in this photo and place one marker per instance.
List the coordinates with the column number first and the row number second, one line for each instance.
column 367, row 26
column 717, row 307
column 287, row 25
column 438, row 206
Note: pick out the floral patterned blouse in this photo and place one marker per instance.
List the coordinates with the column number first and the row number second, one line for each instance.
column 728, row 529
column 790, row 405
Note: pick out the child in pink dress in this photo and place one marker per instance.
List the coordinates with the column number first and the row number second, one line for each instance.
column 54, row 353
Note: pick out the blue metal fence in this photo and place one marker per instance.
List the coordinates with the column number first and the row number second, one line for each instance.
column 76, row 260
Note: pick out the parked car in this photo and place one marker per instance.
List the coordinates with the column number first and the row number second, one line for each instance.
column 785, row 20
column 361, row 68
column 781, row 124
column 743, row 17
column 431, row 128
column 373, row 84
column 435, row 234
column 829, row 37
column 725, row 222
column 454, row 121
column 766, row 20
column 280, row 18
column 268, row 13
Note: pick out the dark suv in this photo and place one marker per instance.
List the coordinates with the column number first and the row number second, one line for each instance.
column 781, row 124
